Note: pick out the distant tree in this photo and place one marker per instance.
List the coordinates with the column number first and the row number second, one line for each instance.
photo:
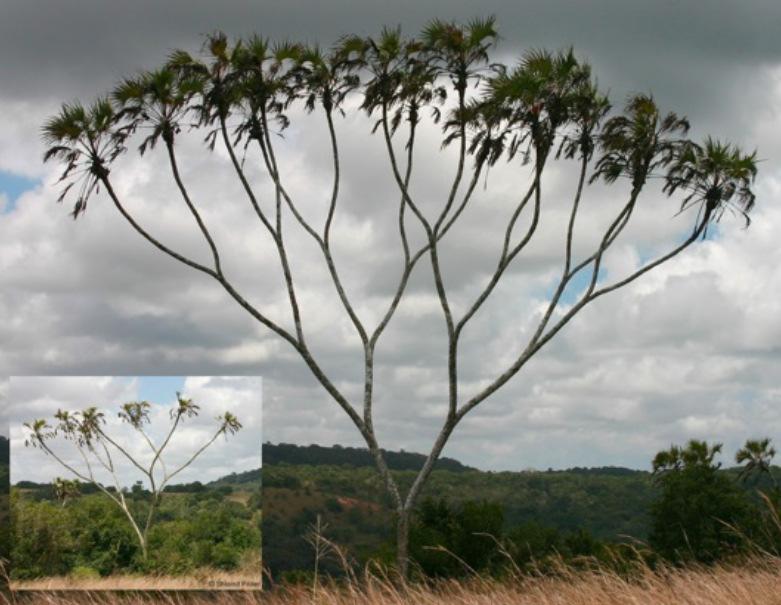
column 65, row 489
column 449, row 540
column 700, row 511
column 544, row 110
column 695, row 454
column 756, row 456
column 85, row 431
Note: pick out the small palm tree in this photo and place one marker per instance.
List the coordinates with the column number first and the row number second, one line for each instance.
column 756, row 456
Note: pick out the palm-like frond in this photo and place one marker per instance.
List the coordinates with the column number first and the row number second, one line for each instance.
column 185, row 407
column 89, row 427
column 457, row 44
column 229, row 423
column 157, row 100
column 402, row 79
column 639, row 141
column 39, row 431
column 459, row 51
column 86, row 139
column 327, row 77
column 531, row 103
column 756, row 456
column 135, row 413
column 717, row 176
column 68, row 422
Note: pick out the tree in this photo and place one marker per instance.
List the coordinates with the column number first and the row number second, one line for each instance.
column 65, row 489
column 547, row 109
column 757, row 456
column 449, row 541
column 700, row 511
column 85, row 431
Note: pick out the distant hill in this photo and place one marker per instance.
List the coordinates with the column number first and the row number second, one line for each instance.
column 341, row 487
column 247, row 480
column 5, row 450
column 337, row 455
column 244, row 479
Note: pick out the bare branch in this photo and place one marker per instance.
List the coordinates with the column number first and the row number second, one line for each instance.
column 539, row 340
column 191, row 206
column 191, row 459
column 506, row 257
column 276, row 236
column 175, row 255
column 123, row 451
column 322, row 241
column 243, row 179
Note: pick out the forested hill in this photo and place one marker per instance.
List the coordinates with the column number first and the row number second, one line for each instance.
column 337, row 455
column 246, row 478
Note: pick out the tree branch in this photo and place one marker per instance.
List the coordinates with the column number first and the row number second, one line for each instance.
column 537, row 343
column 276, row 236
column 191, row 206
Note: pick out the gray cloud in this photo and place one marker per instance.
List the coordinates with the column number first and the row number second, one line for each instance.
column 689, row 351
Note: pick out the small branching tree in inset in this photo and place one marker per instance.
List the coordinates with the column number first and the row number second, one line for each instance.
column 545, row 113
column 102, row 452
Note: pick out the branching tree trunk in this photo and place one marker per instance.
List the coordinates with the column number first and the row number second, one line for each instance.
column 85, row 430
column 547, row 109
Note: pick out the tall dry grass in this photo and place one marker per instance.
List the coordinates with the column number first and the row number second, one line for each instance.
column 756, row 582
column 201, row 580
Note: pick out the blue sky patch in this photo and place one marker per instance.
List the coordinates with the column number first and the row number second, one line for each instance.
column 12, row 186
column 576, row 286
column 159, row 389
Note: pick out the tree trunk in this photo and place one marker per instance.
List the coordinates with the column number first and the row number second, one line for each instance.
column 402, row 544
column 144, row 550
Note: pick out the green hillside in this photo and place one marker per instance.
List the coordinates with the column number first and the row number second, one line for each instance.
column 609, row 503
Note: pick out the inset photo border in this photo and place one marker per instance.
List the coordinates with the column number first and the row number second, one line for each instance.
column 135, row 483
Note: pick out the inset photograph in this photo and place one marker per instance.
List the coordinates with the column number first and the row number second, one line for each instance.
column 142, row 483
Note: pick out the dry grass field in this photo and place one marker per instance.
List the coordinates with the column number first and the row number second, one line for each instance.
column 757, row 583
column 212, row 580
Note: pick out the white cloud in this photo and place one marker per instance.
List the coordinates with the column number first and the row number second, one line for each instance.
column 692, row 347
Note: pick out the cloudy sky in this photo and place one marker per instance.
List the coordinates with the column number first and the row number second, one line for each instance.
column 691, row 351
column 39, row 397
